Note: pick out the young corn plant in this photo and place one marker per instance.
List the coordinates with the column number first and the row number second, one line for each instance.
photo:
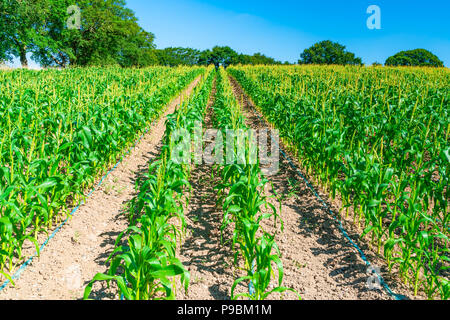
column 60, row 132
column 378, row 138
column 145, row 268
column 241, row 194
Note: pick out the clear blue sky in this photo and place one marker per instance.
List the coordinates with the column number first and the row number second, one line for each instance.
column 283, row 29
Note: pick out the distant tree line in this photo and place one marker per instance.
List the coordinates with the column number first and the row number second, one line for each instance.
column 328, row 52
column 108, row 33
column 224, row 56
column 417, row 57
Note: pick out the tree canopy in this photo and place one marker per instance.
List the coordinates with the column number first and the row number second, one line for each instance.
column 178, row 56
column 21, row 28
column 417, row 57
column 222, row 56
column 328, row 52
column 219, row 56
column 256, row 59
column 109, row 33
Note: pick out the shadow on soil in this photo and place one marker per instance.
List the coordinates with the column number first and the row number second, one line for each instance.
column 100, row 291
column 314, row 221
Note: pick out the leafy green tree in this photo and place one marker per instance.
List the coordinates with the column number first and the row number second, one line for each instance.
column 256, row 59
column 222, row 56
column 259, row 58
column 328, row 52
column 5, row 52
column 204, row 58
column 417, row 57
column 108, row 35
column 244, row 59
column 140, row 51
column 178, row 56
column 54, row 48
column 20, row 22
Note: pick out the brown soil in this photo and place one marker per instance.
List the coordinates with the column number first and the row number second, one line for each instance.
column 80, row 249
column 319, row 262
column 209, row 263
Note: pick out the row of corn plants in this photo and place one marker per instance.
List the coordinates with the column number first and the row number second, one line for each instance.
column 378, row 138
column 61, row 130
column 241, row 194
column 146, row 266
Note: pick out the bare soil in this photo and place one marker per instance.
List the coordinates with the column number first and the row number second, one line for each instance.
column 80, row 249
column 209, row 262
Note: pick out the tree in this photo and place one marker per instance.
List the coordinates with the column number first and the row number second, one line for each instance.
column 21, row 23
column 178, row 56
column 108, row 35
column 139, row 51
column 259, row 58
column 5, row 52
column 218, row 56
column 54, row 49
column 256, row 59
column 204, row 58
column 222, row 56
column 417, row 57
column 328, row 52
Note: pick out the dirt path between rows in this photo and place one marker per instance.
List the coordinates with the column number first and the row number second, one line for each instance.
column 319, row 262
column 209, row 263
column 80, row 249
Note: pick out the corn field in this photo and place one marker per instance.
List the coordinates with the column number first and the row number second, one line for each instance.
column 60, row 132
column 242, row 198
column 375, row 140
column 149, row 260
column 378, row 138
